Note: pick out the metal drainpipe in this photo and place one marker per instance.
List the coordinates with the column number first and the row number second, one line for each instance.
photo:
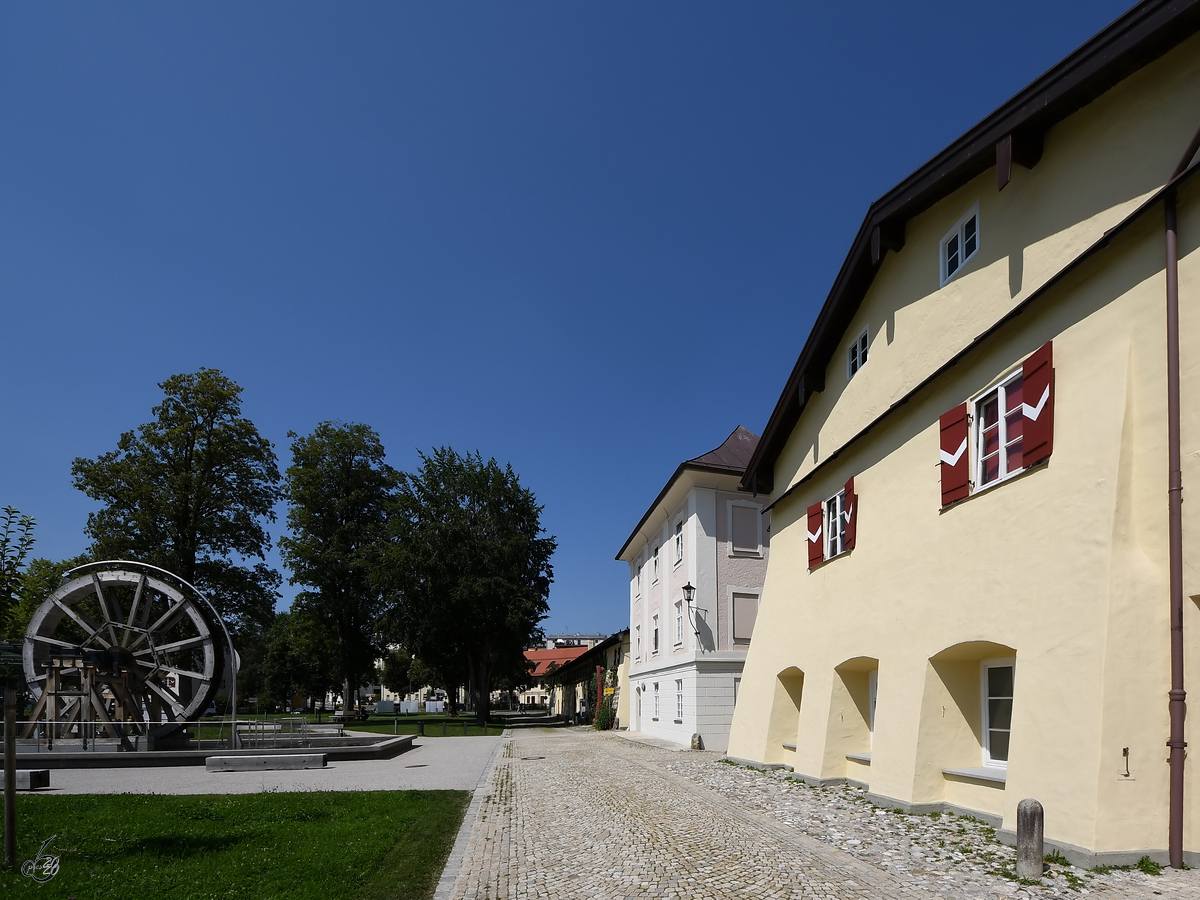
column 1177, row 695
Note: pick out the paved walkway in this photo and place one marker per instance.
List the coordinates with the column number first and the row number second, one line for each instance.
column 572, row 813
column 442, row 763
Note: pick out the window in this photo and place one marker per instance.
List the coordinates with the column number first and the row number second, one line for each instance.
column 1010, row 429
column 678, row 622
column 745, row 529
column 997, row 683
column 679, row 542
column 999, row 424
column 856, row 356
column 656, row 701
column 654, row 580
column 960, row 244
column 637, row 632
column 832, row 525
column 678, row 700
column 835, row 525
column 654, row 635
column 637, row 581
column 745, row 612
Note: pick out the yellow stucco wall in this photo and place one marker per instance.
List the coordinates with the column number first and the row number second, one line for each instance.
column 1063, row 567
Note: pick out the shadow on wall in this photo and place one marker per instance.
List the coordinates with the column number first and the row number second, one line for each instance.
column 785, row 716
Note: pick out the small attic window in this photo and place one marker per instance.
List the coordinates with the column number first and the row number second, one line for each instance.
column 960, row 244
column 856, row 355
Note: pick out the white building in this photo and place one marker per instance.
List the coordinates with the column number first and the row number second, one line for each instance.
column 686, row 658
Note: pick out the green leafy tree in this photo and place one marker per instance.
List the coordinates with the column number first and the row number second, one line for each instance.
column 469, row 569
column 337, row 488
column 397, row 667
column 16, row 540
column 296, row 660
column 191, row 492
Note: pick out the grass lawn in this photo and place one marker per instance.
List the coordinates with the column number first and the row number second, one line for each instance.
column 326, row 846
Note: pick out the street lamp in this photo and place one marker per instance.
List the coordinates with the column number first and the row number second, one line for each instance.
column 689, row 593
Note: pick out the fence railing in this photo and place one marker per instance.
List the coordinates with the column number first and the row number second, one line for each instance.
column 213, row 733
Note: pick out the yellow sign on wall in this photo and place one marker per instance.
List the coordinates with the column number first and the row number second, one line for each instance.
column 608, row 692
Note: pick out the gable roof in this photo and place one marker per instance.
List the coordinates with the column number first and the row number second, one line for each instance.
column 542, row 659
column 730, row 458
column 577, row 668
column 1135, row 39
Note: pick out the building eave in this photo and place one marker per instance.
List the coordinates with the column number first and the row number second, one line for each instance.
column 1137, row 38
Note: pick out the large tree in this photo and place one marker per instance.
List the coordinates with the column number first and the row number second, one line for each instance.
column 338, row 488
column 468, row 567
column 191, row 492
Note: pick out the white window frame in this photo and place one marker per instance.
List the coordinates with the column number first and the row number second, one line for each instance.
column 656, row 701
column 654, row 634
column 999, row 389
column 678, row 623
column 679, row 700
column 637, row 632
column 958, row 233
column 1008, row 662
column 858, row 353
column 678, row 542
column 654, row 579
column 745, row 554
column 834, row 537
column 637, row 581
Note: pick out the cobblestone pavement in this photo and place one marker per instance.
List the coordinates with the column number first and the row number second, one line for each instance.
column 572, row 813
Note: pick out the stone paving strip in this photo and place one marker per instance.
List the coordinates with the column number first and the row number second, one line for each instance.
column 574, row 813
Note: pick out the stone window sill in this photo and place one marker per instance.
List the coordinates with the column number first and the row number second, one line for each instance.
column 789, row 746
column 860, row 757
column 980, row 773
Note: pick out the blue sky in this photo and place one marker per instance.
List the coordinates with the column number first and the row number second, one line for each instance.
column 586, row 239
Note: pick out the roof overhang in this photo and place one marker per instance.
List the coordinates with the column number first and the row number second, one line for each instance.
column 1013, row 133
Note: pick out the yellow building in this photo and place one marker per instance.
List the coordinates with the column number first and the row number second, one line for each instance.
column 968, row 600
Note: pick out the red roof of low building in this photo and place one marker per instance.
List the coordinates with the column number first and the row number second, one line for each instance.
column 542, row 659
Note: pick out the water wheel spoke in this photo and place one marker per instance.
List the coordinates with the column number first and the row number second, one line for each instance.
column 133, row 608
column 109, row 618
column 84, row 621
column 173, row 703
column 167, row 619
column 54, row 642
column 179, row 645
column 185, row 673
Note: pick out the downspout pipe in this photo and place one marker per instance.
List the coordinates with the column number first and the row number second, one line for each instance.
column 1177, row 695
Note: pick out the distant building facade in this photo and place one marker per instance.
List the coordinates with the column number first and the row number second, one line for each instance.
column 686, row 658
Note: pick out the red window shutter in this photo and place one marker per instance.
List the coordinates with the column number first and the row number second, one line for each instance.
column 956, row 468
column 850, row 511
column 816, row 546
column 1037, row 377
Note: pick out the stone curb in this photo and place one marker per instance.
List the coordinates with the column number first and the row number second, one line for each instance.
column 454, row 862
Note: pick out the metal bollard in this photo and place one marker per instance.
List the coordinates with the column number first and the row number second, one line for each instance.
column 443, row 727
column 421, row 728
column 1030, row 823
column 464, row 727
